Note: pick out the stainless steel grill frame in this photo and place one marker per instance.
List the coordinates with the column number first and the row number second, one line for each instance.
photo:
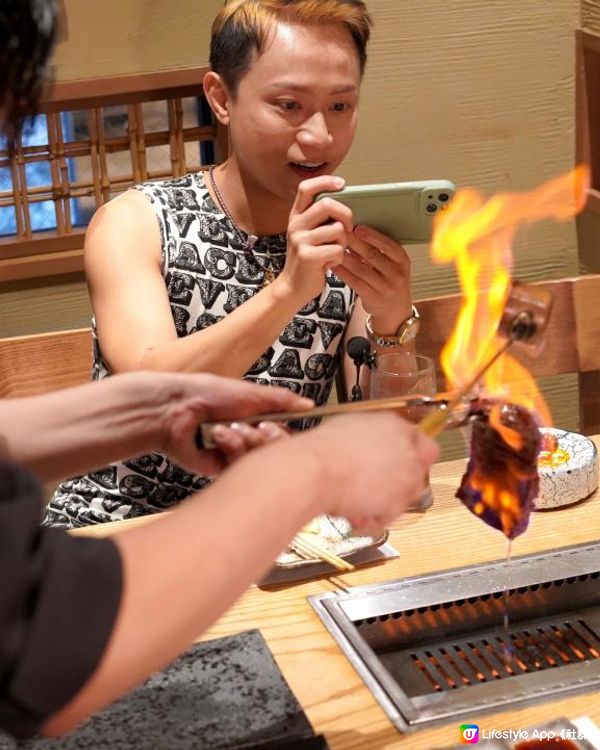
column 433, row 648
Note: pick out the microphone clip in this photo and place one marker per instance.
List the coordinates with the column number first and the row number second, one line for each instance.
column 360, row 352
column 370, row 359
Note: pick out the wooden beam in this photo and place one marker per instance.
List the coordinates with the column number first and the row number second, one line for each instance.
column 139, row 87
column 586, row 297
column 37, row 266
column 589, row 402
column 41, row 243
column 570, row 342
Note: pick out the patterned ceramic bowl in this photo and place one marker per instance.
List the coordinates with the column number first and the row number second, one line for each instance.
column 570, row 472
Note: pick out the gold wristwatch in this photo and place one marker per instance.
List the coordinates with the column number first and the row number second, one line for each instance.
column 407, row 331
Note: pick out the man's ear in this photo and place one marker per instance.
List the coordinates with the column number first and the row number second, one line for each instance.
column 217, row 96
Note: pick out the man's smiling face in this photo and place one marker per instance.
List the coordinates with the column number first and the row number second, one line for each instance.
column 295, row 111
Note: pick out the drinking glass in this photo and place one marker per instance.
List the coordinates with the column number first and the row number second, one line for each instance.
column 405, row 374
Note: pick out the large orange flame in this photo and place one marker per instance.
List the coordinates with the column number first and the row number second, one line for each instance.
column 477, row 235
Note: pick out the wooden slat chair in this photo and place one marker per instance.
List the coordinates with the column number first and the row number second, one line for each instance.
column 44, row 362
column 572, row 340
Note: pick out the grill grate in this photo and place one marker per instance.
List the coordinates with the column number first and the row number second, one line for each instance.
column 495, row 601
column 433, row 648
column 479, row 660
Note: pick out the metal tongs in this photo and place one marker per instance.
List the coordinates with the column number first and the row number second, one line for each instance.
column 524, row 320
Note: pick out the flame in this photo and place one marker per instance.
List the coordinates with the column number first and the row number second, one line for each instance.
column 477, row 235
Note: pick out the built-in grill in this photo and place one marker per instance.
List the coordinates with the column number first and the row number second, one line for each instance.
column 436, row 648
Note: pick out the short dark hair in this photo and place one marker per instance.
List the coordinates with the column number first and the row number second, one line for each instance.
column 242, row 27
column 27, row 32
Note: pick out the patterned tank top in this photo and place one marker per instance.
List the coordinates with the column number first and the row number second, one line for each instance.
column 208, row 274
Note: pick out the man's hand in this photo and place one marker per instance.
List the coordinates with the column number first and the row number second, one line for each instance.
column 317, row 237
column 378, row 269
column 236, row 439
column 321, row 237
column 189, row 400
column 376, row 466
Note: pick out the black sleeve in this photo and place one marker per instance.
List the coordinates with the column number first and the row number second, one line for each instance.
column 59, row 597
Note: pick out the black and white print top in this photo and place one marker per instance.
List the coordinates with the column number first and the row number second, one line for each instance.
column 208, row 274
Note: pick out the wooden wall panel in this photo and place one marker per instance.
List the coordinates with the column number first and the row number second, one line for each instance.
column 481, row 93
column 38, row 307
column 590, row 15
column 118, row 37
column 589, row 242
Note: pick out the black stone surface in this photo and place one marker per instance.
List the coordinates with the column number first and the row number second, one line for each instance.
column 227, row 693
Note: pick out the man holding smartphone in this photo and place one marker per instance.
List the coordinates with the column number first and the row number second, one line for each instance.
column 237, row 270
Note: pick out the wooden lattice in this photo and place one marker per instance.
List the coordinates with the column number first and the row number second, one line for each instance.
column 29, row 252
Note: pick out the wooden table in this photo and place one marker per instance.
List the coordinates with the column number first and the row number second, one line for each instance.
column 447, row 536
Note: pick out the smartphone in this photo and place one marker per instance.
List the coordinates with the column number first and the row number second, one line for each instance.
column 403, row 210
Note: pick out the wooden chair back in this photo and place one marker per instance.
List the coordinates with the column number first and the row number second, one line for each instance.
column 30, row 365
column 571, row 341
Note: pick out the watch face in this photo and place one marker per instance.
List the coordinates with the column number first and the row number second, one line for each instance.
column 410, row 328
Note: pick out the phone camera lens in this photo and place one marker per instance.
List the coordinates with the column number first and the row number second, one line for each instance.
column 444, row 197
column 431, row 208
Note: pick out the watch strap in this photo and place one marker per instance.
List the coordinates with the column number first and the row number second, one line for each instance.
column 405, row 333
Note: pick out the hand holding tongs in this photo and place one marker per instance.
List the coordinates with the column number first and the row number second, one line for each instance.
column 461, row 412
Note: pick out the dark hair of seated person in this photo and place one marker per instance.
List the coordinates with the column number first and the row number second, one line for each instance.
column 242, row 28
column 27, row 33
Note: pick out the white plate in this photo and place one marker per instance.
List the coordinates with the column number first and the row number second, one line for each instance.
column 336, row 535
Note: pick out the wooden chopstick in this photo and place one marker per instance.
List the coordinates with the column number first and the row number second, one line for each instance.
column 299, row 552
column 318, row 552
column 306, row 545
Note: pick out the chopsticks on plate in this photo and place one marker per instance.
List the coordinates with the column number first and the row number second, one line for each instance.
column 307, row 548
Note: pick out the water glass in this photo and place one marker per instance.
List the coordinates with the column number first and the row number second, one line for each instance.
column 405, row 374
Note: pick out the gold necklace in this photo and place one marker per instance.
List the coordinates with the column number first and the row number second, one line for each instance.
column 247, row 242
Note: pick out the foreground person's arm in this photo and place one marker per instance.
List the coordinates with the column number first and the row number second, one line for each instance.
column 60, row 595
column 216, row 545
column 74, row 430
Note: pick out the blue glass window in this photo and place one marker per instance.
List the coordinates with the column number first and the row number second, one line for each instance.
column 37, row 174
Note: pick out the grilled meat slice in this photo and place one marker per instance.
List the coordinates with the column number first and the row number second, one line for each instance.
column 501, row 481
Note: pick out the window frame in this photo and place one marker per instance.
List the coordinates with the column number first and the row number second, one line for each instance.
column 45, row 253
